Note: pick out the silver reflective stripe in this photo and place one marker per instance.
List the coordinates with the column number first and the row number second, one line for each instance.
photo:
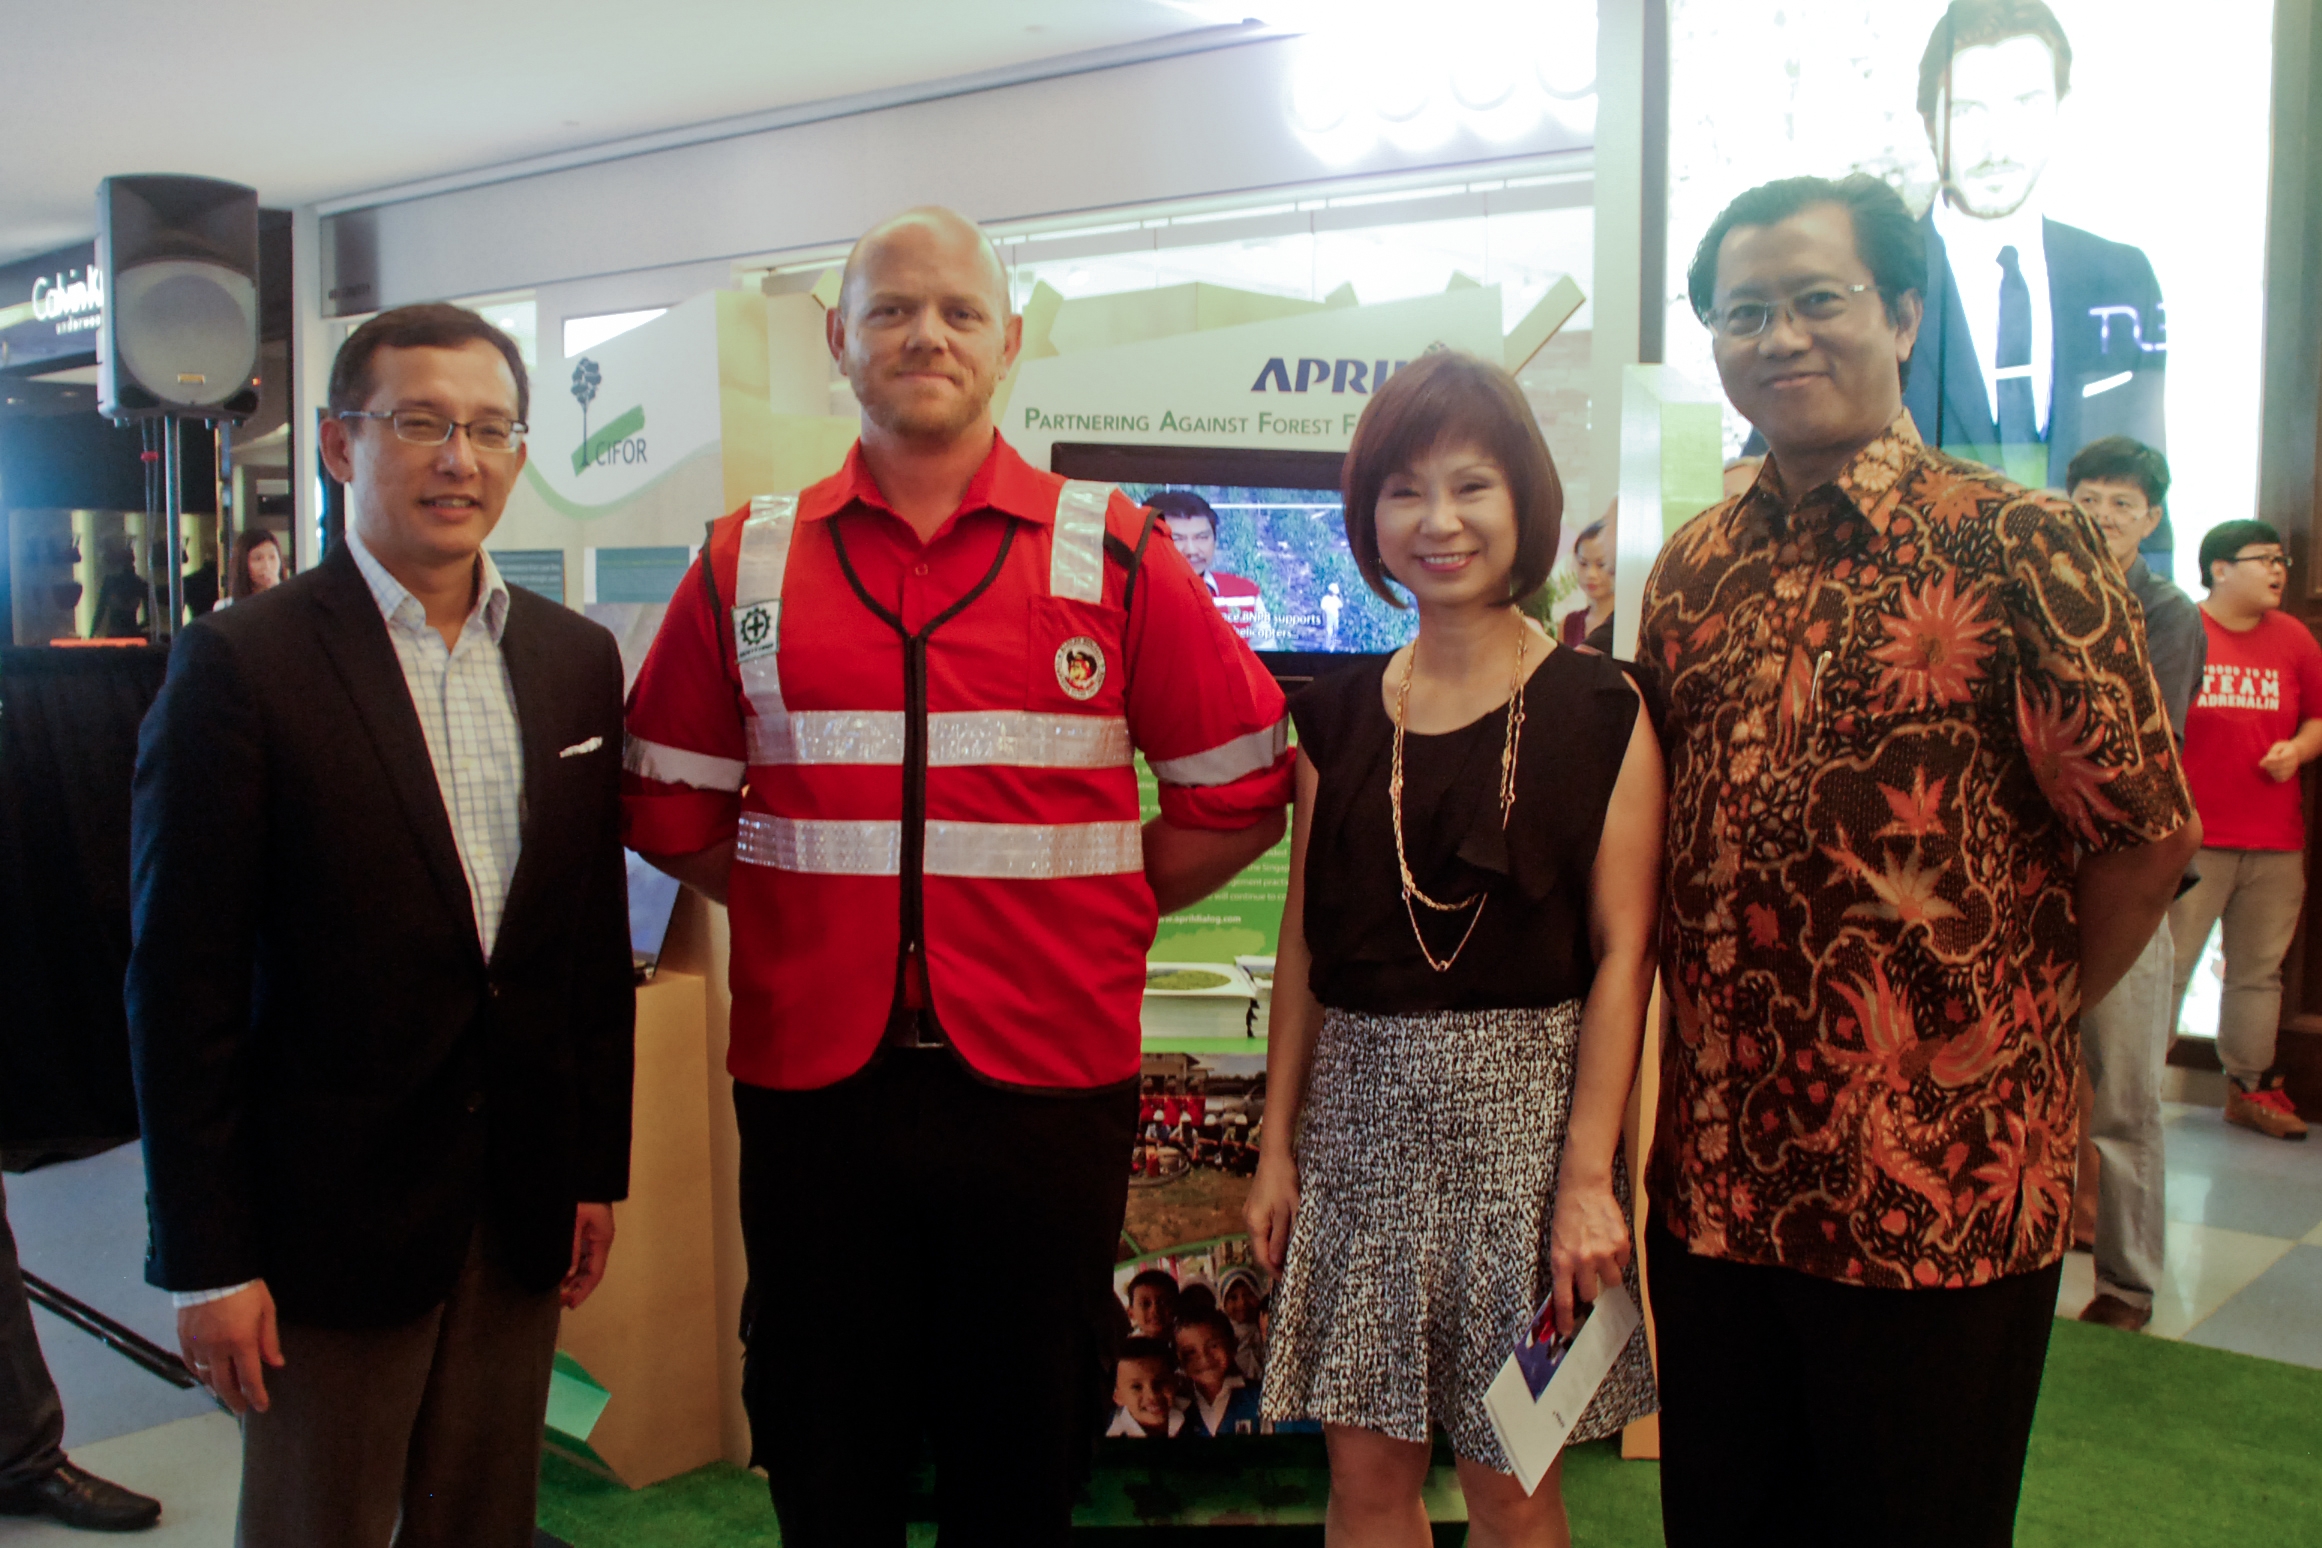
column 992, row 850
column 965, row 738
column 1034, row 851
column 821, row 846
column 758, row 601
column 1076, row 554
column 828, row 736
column 676, row 766
column 955, row 739
column 1228, row 761
column 765, row 547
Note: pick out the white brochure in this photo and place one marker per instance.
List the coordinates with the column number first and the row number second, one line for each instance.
column 1544, row 1388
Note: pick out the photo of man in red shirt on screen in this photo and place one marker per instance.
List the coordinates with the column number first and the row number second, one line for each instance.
column 1193, row 528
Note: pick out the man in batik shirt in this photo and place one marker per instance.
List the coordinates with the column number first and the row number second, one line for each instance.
column 1923, row 804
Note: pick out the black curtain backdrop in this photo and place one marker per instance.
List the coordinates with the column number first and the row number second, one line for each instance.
column 68, row 746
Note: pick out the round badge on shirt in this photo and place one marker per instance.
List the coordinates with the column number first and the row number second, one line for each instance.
column 1080, row 667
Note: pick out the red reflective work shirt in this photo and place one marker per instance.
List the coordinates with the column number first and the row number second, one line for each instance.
column 969, row 797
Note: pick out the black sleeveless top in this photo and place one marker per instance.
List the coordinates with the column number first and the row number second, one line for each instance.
column 1530, row 949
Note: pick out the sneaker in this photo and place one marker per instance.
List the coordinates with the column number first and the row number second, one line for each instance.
column 2109, row 1310
column 2266, row 1110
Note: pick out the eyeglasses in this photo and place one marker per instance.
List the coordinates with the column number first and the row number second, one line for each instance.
column 2279, row 562
column 490, row 434
column 1748, row 319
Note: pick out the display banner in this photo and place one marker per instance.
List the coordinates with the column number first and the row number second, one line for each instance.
column 625, row 414
column 2091, row 181
column 1291, row 383
column 51, row 307
column 639, row 442
column 538, row 570
column 1241, row 919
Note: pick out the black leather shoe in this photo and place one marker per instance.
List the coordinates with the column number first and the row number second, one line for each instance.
column 78, row 1498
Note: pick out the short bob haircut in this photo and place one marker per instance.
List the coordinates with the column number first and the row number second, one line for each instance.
column 1445, row 398
column 2123, row 458
column 434, row 325
column 2221, row 542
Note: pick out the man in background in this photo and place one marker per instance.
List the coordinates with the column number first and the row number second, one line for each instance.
column 380, row 1008
column 36, row 1477
column 2039, row 337
column 1193, row 528
column 2122, row 485
column 2255, row 723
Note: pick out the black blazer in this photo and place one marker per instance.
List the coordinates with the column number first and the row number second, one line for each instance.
column 2104, row 309
column 335, row 1085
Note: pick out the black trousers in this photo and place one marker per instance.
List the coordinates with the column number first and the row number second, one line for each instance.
column 31, row 1414
column 1798, row 1411
column 930, row 1261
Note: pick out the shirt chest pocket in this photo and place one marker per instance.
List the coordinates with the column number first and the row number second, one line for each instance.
column 1073, row 659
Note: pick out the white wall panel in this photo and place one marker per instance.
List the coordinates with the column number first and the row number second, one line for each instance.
column 1207, row 123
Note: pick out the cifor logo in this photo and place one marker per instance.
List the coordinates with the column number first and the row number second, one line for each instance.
column 618, row 441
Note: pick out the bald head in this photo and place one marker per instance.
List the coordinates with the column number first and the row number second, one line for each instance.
column 923, row 329
column 927, row 232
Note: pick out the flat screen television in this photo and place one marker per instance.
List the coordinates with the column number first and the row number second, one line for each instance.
column 1280, row 565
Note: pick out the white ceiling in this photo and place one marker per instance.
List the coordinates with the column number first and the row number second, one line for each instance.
column 306, row 101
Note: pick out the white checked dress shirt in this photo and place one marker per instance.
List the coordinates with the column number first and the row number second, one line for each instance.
column 467, row 710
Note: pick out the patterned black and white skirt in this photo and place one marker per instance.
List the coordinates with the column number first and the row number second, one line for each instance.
column 1427, row 1158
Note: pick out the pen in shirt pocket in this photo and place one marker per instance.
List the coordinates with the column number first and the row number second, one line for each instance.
column 1807, row 727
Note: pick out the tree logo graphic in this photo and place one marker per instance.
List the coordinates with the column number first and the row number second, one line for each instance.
column 585, row 380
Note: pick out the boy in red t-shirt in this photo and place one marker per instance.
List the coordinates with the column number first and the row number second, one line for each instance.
column 2256, row 721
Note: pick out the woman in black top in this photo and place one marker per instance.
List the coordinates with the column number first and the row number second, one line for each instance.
column 1459, row 997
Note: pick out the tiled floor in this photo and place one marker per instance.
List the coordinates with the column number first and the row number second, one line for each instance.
column 2244, row 1269
column 2244, row 1273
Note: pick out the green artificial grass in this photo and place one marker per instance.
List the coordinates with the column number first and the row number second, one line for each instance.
column 720, row 1503
column 2138, row 1440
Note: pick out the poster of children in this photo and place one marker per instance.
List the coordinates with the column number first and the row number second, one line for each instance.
column 1188, row 1280
column 1195, row 1358
column 1187, row 1277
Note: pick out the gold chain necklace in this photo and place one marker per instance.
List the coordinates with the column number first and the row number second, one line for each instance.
column 1411, row 888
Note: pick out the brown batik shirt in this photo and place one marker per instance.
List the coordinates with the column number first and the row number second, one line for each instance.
column 1893, row 715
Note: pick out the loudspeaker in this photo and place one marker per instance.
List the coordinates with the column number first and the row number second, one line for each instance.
column 179, row 260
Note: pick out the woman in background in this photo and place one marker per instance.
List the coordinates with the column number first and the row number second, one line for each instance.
column 1460, row 992
column 1592, row 566
column 256, row 565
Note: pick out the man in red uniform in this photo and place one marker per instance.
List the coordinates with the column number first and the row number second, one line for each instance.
column 890, row 719
column 1193, row 528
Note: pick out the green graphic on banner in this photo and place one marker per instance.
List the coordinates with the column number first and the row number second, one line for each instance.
column 1241, row 919
column 595, row 448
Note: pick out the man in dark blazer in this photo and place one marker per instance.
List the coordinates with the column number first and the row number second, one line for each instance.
column 1991, row 81
column 379, row 992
